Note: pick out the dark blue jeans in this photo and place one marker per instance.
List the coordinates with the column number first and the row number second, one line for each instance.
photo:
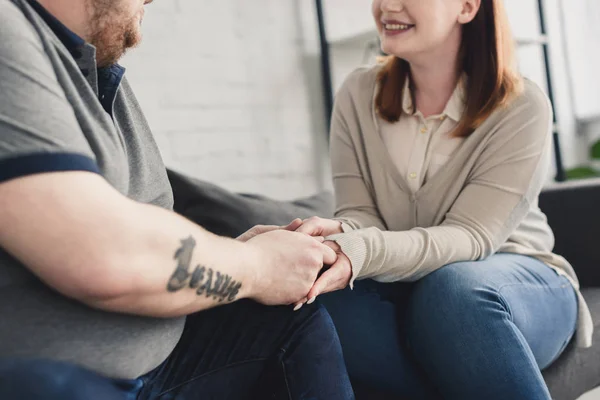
column 469, row 331
column 239, row 351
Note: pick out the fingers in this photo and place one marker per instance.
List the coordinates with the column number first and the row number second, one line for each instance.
column 325, row 283
column 299, row 304
column 329, row 255
column 294, row 225
column 332, row 245
column 310, row 227
column 322, row 285
column 255, row 231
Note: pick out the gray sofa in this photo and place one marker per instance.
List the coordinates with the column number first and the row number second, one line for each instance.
column 573, row 210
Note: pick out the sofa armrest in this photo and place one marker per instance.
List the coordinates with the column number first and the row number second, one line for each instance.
column 573, row 211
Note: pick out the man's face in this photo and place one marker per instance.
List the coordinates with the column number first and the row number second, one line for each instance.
column 115, row 26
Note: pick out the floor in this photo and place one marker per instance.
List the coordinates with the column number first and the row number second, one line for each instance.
column 593, row 395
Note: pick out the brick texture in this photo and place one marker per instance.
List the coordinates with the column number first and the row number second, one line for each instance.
column 232, row 92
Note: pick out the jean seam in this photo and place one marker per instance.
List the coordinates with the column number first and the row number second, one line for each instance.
column 210, row 372
column 534, row 286
column 531, row 286
column 287, row 385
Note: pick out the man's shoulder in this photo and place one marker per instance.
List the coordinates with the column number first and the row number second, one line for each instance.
column 15, row 27
column 11, row 14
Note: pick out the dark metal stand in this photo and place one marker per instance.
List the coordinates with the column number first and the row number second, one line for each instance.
column 325, row 65
column 560, row 169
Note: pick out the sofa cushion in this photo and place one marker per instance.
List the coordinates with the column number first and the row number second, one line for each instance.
column 230, row 214
column 578, row 370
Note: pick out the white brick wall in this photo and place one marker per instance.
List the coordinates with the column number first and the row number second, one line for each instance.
column 232, row 88
column 232, row 91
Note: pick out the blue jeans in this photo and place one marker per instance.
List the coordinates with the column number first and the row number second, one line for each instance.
column 239, row 351
column 471, row 330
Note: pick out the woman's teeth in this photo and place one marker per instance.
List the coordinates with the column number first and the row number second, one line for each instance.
column 397, row 27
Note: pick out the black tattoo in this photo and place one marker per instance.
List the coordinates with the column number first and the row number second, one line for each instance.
column 183, row 255
column 223, row 288
column 197, row 277
column 206, row 285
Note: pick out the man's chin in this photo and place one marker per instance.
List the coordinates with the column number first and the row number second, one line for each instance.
column 109, row 54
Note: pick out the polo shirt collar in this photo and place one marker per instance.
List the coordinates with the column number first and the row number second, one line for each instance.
column 104, row 81
column 454, row 108
column 69, row 39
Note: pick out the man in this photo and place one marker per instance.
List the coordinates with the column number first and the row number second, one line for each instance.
column 97, row 273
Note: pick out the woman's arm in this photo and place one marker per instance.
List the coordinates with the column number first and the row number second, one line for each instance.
column 355, row 205
column 505, row 181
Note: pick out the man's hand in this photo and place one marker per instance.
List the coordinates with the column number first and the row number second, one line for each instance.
column 287, row 266
column 316, row 226
column 260, row 229
column 335, row 278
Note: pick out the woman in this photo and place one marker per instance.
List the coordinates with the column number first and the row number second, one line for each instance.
column 439, row 155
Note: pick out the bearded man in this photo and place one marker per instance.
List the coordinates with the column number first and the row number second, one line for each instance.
column 106, row 293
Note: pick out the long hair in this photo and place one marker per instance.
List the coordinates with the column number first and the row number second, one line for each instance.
column 487, row 57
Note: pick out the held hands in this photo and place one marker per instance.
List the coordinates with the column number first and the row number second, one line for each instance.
column 289, row 263
column 338, row 275
column 260, row 229
column 334, row 278
column 316, row 226
column 285, row 265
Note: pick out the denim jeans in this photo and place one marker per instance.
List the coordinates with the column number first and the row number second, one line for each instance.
column 471, row 330
column 238, row 351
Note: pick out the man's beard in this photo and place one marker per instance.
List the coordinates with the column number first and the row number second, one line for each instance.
column 110, row 32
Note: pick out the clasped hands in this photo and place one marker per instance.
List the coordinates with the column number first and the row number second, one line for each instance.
column 328, row 270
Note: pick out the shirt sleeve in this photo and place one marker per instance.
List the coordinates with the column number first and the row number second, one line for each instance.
column 39, row 131
column 502, row 187
column 355, row 206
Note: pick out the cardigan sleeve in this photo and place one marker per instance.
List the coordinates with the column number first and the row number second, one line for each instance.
column 505, row 181
column 355, row 206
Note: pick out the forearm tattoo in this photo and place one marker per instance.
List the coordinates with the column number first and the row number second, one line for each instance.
column 207, row 282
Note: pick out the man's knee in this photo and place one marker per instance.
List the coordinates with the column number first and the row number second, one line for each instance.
column 315, row 317
column 50, row 380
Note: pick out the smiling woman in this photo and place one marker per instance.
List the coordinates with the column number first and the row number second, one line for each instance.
column 485, row 42
column 439, row 154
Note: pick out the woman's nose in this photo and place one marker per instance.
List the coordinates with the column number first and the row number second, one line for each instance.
column 392, row 5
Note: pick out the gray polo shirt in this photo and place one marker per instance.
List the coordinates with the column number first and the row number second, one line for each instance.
column 59, row 113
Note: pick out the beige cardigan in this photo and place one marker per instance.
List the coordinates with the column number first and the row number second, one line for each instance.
column 485, row 199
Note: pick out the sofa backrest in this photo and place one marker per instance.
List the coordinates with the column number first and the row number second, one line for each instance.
column 573, row 211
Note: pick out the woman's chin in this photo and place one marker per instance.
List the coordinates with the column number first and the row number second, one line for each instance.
column 395, row 51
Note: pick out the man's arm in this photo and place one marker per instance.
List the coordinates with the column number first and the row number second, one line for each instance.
column 89, row 242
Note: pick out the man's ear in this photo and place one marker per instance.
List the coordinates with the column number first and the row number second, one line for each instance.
column 470, row 8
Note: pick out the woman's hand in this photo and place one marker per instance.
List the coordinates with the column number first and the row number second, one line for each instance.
column 336, row 277
column 260, row 229
column 316, row 226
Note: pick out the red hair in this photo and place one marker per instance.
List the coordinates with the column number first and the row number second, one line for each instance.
column 487, row 55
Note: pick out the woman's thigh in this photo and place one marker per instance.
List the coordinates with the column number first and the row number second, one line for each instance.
column 541, row 304
column 493, row 323
column 369, row 321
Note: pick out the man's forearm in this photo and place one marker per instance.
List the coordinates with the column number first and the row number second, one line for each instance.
column 101, row 248
column 182, row 268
